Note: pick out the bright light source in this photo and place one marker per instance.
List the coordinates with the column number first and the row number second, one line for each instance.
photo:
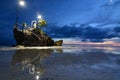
column 37, row 77
column 22, row 3
column 39, row 17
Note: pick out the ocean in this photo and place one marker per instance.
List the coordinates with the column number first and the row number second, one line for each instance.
column 60, row 63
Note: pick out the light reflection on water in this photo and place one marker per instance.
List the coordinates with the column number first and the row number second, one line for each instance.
column 60, row 64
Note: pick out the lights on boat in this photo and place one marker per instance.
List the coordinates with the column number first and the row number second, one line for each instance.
column 37, row 77
column 39, row 16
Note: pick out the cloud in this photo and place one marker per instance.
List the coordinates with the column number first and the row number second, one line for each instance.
column 114, row 39
column 86, row 33
column 117, row 29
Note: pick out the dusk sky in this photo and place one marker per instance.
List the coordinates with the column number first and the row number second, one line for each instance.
column 78, row 20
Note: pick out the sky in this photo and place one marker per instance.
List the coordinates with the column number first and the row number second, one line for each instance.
column 78, row 20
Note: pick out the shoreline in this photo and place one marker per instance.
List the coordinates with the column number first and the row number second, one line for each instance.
column 4, row 48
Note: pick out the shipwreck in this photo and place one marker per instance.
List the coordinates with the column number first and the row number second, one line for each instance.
column 34, row 35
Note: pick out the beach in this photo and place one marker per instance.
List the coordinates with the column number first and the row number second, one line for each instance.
column 60, row 63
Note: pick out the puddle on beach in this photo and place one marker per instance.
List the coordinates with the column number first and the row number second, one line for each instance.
column 60, row 64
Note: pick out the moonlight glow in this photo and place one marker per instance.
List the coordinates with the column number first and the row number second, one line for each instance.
column 21, row 3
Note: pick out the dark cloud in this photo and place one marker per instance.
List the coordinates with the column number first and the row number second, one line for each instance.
column 86, row 33
column 117, row 29
column 94, row 33
column 65, row 31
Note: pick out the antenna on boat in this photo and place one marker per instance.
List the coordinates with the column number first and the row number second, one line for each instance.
column 21, row 3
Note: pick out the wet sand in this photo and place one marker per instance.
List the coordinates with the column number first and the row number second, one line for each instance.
column 59, row 63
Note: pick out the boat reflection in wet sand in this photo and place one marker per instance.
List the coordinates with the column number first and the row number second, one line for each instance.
column 29, row 62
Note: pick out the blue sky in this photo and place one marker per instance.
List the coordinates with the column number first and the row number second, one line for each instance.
column 102, row 16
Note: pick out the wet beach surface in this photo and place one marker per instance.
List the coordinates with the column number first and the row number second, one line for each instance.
column 60, row 64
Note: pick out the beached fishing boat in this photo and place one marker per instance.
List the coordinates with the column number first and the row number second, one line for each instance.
column 33, row 36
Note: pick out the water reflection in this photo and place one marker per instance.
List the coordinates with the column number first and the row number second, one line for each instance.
column 92, row 58
column 72, row 64
column 30, row 61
